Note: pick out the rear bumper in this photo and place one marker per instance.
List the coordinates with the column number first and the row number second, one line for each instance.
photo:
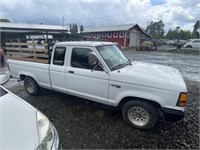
column 173, row 114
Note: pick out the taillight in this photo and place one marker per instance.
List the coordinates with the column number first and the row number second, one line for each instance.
column 182, row 100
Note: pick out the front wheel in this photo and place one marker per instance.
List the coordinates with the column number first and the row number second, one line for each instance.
column 31, row 86
column 139, row 114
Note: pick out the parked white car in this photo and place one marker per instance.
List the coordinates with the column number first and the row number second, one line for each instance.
column 193, row 43
column 23, row 127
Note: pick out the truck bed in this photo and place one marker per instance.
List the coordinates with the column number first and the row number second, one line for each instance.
column 38, row 71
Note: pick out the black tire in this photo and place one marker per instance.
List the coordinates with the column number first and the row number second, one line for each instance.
column 189, row 46
column 31, row 86
column 139, row 114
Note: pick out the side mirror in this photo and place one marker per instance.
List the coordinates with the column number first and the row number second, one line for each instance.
column 4, row 78
column 92, row 58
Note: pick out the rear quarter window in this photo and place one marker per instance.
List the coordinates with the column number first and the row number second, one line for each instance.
column 59, row 56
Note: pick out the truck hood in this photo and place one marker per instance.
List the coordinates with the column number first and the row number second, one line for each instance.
column 151, row 75
column 18, row 125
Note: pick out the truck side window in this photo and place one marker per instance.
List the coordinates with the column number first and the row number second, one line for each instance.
column 79, row 58
column 59, row 56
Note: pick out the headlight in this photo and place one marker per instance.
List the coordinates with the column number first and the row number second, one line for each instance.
column 47, row 133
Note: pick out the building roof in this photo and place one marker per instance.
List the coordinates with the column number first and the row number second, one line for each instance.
column 5, row 26
column 123, row 27
column 83, row 43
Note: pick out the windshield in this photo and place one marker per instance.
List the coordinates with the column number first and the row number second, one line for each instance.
column 113, row 57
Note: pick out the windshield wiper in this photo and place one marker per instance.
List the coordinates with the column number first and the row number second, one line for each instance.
column 119, row 66
column 122, row 65
column 129, row 62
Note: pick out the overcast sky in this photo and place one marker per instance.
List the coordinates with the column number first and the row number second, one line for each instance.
column 96, row 13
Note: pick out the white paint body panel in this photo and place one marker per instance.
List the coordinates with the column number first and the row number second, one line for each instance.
column 157, row 83
column 18, row 124
column 38, row 71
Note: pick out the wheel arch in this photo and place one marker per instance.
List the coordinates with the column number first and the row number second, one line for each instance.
column 132, row 98
column 189, row 46
column 23, row 75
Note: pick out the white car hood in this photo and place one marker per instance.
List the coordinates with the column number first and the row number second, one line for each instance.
column 18, row 126
column 151, row 75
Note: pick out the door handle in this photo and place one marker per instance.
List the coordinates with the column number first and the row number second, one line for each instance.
column 117, row 86
column 71, row 72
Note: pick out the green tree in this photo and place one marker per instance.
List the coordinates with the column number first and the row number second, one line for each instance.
column 171, row 34
column 184, row 35
column 195, row 30
column 81, row 29
column 156, row 29
column 73, row 28
column 4, row 20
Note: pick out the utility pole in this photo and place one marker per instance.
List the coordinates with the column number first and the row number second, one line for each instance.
column 177, row 30
column 63, row 22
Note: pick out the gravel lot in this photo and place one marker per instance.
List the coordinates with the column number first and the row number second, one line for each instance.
column 85, row 124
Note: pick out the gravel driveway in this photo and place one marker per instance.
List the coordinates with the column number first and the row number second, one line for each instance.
column 85, row 124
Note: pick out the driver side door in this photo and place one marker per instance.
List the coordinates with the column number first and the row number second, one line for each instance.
column 82, row 81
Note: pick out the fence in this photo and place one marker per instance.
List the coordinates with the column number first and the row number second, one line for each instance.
column 28, row 50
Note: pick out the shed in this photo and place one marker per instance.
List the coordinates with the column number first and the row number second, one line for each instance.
column 15, row 31
column 127, row 35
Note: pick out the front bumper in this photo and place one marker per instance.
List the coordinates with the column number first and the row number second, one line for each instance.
column 173, row 114
column 56, row 140
column 55, row 143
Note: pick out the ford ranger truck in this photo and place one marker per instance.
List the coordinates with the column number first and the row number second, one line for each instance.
column 100, row 72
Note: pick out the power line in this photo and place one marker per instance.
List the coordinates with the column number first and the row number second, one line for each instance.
column 96, row 18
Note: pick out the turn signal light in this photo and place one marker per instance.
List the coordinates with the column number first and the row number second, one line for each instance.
column 182, row 100
column 183, row 97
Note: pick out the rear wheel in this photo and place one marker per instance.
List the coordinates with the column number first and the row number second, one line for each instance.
column 31, row 86
column 139, row 114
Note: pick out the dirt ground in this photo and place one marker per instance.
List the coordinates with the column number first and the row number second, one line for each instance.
column 84, row 124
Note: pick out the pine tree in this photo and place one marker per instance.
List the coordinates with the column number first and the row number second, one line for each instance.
column 81, row 29
column 73, row 28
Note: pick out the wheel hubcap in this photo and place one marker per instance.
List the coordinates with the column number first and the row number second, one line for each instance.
column 138, row 116
column 29, row 87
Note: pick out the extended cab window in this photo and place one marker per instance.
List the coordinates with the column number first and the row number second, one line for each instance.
column 59, row 56
column 79, row 58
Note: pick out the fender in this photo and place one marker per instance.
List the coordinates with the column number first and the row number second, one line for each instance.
column 47, row 86
column 136, row 94
column 27, row 74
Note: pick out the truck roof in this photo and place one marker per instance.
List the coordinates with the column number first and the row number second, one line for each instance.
column 83, row 43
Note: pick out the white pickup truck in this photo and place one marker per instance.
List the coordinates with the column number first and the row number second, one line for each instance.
column 99, row 71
